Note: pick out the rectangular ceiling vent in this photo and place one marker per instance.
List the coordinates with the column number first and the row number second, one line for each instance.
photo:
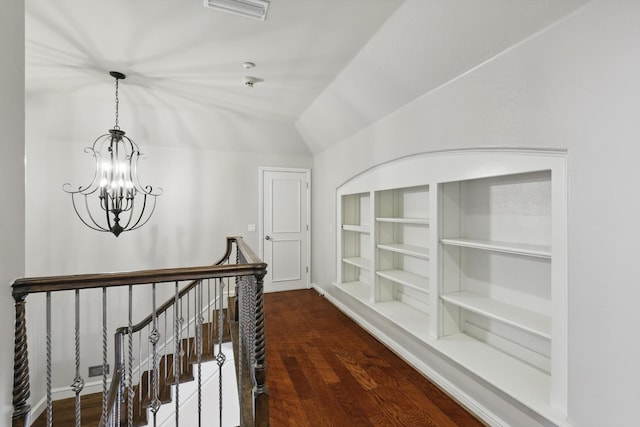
column 256, row 9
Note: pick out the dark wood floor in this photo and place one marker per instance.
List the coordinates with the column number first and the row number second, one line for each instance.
column 324, row 370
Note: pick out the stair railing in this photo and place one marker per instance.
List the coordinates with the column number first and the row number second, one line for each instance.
column 122, row 397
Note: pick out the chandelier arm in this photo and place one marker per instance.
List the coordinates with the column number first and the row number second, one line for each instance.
column 75, row 208
column 86, row 205
column 92, row 185
column 130, row 210
column 153, row 208
column 147, row 189
column 144, row 207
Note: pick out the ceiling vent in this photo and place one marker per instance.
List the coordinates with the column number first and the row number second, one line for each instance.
column 256, row 9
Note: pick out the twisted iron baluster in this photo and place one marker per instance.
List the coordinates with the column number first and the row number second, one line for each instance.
column 188, row 331
column 200, row 320
column 130, row 392
column 154, row 338
column 260, row 390
column 210, row 330
column 176, row 354
column 220, row 357
column 78, row 382
column 240, row 297
column 166, row 344
column 149, row 391
column 215, row 318
column 140, row 385
column 49, row 399
column 104, row 354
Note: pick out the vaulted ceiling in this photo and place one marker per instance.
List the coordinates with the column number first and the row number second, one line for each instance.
column 329, row 67
column 184, row 66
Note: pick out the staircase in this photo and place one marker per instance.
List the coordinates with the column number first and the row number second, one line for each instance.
column 91, row 406
column 143, row 395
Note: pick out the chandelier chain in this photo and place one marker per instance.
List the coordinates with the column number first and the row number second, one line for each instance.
column 117, row 104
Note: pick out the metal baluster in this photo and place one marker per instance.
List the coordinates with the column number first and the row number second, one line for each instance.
column 140, row 385
column 130, row 392
column 176, row 354
column 188, row 332
column 220, row 357
column 78, row 382
column 104, row 354
column 210, row 329
column 215, row 318
column 166, row 344
column 48, row 337
column 240, row 297
column 200, row 320
column 154, row 337
column 148, row 361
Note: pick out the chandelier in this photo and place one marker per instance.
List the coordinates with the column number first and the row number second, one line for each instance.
column 123, row 204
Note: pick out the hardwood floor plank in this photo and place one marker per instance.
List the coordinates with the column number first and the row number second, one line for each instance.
column 303, row 389
column 320, row 365
column 358, row 372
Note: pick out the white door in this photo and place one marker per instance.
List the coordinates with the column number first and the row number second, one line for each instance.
column 285, row 228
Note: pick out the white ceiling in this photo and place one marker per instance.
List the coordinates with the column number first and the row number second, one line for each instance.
column 184, row 68
column 330, row 67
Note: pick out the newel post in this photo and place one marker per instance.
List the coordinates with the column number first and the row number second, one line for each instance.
column 21, row 409
column 260, row 389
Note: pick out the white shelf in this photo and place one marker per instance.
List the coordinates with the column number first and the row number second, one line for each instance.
column 356, row 228
column 535, row 323
column 424, row 221
column 402, row 277
column 408, row 318
column 519, row 380
column 416, row 251
column 360, row 262
column 539, row 251
column 357, row 290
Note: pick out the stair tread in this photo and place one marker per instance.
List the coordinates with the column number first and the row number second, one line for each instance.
column 166, row 375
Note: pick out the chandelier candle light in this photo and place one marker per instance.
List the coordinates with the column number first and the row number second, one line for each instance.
column 115, row 182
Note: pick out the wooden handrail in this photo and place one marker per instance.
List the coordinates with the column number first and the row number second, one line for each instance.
column 21, row 288
column 105, row 280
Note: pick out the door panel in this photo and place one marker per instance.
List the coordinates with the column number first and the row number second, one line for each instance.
column 285, row 228
column 286, row 261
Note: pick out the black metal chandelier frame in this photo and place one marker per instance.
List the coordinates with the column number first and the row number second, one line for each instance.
column 116, row 183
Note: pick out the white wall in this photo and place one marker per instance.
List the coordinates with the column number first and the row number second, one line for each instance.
column 574, row 85
column 207, row 195
column 12, row 257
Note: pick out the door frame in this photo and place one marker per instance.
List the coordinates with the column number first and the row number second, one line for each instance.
column 261, row 172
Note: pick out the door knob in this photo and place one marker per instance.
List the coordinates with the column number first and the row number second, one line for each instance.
column 267, row 237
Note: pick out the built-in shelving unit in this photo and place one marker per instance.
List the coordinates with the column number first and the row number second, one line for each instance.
column 355, row 236
column 464, row 258
column 401, row 255
column 496, row 280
